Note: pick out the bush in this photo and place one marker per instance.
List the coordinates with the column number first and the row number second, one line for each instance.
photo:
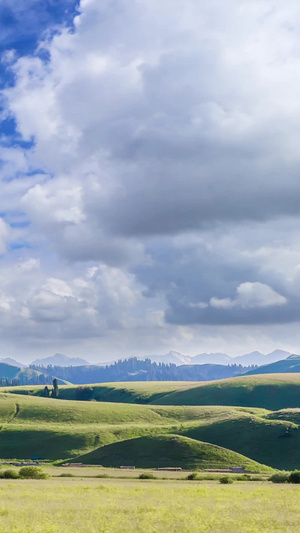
column 192, row 476
column 146, row 476
column 102, row 476
column 244, row 477
column 84, row 393
column 294, row 477
column 226, row 480
column 32, row 472
column 66, row 474
column 10, row 474
column 279, row 477
column 206, row 477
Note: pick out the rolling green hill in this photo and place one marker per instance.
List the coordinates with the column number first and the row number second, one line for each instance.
column 269, row 391
column 139, row 392
column 273, row 391
column 52, row 429
column 24, row 375
column 14, row 372
column 167, row 451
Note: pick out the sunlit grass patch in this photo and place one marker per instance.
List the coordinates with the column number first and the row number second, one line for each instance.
column 72, row 506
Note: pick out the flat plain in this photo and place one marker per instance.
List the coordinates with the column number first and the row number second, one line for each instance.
column 124, row 505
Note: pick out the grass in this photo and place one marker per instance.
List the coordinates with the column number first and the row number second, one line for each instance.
column 150, row 506
column 117, row 473
column 135, row 392
column 269, row 391
column 273, row 392
column 167, row 451
column 145, row 433
column 54, row 430
column 274, row 442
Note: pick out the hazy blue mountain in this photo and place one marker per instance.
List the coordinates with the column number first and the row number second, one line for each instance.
column 12, row 362
column 201, row 359
column 257, row 358
column 289, row 365
column 60, row 359
column 211, row 358
column 13, row 375
column 134, row 369
column 253, row 358
column 170, row 357
column 177, row 358
column 277, row 355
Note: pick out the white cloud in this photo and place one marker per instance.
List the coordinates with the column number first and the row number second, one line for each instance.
column 139, row 97
column 29, row 264
column 164, row 174
column 4, row 235
column 250, row 295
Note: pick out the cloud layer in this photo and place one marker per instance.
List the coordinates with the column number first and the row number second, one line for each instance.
column 163, row 157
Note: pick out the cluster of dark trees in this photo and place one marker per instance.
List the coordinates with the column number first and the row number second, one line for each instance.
column 26, row 379
column 134, row 369
column 36, row 379
column 5, row 382
column 53, row 393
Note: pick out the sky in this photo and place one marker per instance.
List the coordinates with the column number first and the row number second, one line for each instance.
column 150, row 177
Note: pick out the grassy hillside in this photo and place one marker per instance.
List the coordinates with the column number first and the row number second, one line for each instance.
column 274, row 392
column 271, row 441
column 166, row 451
column 14, row 372
column 270, row 391
column 140, row 392
column 52, row 429
column 24, row 375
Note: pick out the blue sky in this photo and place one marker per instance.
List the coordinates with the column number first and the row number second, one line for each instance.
column 23, row 25
column 149, row 177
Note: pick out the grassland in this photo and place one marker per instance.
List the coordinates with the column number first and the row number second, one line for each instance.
column 269, row 391
column 107, row 506
column 145, row 425
column 166, row 451
column 55, row 430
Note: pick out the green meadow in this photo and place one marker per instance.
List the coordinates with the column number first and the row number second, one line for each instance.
column 109, row 506
column 190, row 436
column 269, row 391
column 90, row 431
column 153, row 425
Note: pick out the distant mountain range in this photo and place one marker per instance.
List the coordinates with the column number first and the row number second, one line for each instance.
column 68, row 369
column 60, row 359
column 253, row 358
column 15, row 375
column 134, row 369
column 12, row 362
column 289, row 365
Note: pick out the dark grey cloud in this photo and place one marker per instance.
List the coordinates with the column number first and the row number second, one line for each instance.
column 273, row 314
column 226, row 279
